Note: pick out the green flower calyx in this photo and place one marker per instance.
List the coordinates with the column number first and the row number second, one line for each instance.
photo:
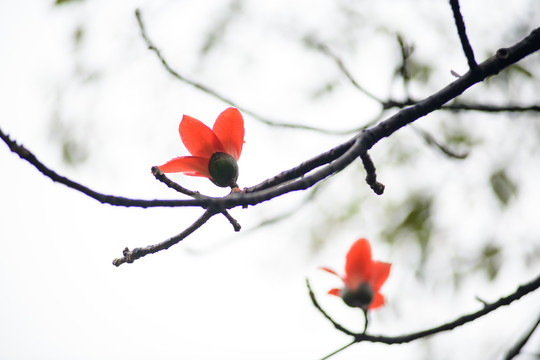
column 223, row 169
column 361, row 297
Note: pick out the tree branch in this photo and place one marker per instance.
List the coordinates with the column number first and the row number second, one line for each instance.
column 460, row 106
column 159, row 175
column 460, row 25
column 320, row 167
column 331, row 161
column 507, row 300
column 371, row 178
column 234, row 223
column 516, row 349
column 303, row 168
column 131, row 255
column 491, row 108
column 503, row 58
column 316, row 304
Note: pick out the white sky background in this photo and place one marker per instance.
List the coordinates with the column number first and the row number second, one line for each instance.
column 218, row 294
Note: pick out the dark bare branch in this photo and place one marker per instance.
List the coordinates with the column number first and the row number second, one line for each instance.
column 304, row 168
column 516, row 349
column 371, row 178
column 310, row 172
column 236, row 226
column 131, row 255
column 331, row 161
column 316, row 304
column 159, row 175
column 488, row 307
column 503, row 58
column 460, row 106
column 460, row 25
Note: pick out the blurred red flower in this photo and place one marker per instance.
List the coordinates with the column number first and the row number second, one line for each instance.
column 214, row 151
column 363, row 278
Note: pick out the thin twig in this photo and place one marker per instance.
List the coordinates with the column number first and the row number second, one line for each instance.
column 406, row 52
column 371, row 178
column 341, row 65
column 516, row 349
column 312, row 193
column 159, row 175
column 316, row 304
column 206, row 89
column 131, row 255
column 232, row 220
column 430, row 140
column 460, row 24
column 338, row 350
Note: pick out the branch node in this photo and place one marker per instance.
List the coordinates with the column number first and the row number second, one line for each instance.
column 503, row 54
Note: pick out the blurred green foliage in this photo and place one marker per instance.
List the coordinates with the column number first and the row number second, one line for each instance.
column 333, row 218
column 411, row 221
column 73, row 153
column 78, row 36
column 490, row 260
column 411, row 68
column 325, row 89
column 457, row 136
column 419, row 71
column 503, row 187
column 61, row 2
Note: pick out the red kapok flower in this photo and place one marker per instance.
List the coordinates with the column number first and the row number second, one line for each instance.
column 363, row 278
column 214, row 151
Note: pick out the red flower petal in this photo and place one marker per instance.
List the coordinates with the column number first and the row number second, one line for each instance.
column 335, row 292
column 379, row 274
column 331, row 271
column 358, row 263
column 189, row 165
column 378, row 300
column 198, row 138
column 229, row 128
